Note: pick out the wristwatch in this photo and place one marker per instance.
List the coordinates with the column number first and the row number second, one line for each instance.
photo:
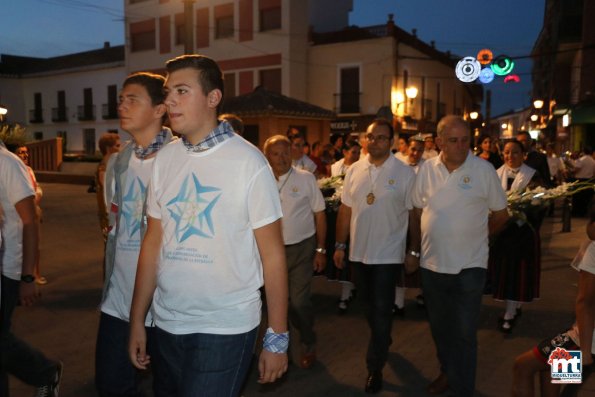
column 340, row 246
column 321, row 250
column 27, row 278
column 414, row 253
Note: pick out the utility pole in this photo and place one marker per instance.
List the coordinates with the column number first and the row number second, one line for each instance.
column 188, row 27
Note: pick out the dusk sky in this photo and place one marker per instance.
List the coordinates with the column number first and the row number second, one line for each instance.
column 46, row 28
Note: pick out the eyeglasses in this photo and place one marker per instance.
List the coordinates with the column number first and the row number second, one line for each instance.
column 376, row 138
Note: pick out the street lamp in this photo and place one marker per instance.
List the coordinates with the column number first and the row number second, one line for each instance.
column 474, row 115
column 411, row 93
column 3, row 112
column 534, row 117
column 538, row 103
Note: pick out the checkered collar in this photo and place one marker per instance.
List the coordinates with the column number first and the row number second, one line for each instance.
column 220, row 134
column 156, row 144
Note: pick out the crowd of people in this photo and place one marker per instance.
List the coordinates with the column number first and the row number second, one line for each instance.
column 202, row 230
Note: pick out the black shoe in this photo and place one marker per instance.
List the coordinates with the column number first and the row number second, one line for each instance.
column 52, row 389
column 506, row 325
column 374, row 382
column 421, row 302
column 398, row 311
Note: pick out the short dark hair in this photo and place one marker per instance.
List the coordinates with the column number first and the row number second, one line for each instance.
column 235, row 121
column 106, row 141
column 517, row 142
column 385, row 123
column 210, row 76
column 351, row 143
column 153, row 83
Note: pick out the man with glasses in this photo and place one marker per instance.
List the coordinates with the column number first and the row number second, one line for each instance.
column 298, row 158
column 374, row 213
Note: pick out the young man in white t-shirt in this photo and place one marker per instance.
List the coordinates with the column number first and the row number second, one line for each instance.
column 128, row 173
column 213, row 238
column 21, row 238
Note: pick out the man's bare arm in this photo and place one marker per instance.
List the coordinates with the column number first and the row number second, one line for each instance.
column 272, row 253
column 26, row 210
column 144, row 287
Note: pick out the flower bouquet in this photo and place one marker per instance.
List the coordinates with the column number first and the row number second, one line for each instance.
column 520, row 202
column 331, row 189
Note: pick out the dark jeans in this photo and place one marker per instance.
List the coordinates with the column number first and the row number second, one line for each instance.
column 115, row 376
column 18, row 358
column 208, row 365
column 453, row 302
column 376, row 284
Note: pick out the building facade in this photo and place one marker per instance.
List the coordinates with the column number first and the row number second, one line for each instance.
column 73, row 96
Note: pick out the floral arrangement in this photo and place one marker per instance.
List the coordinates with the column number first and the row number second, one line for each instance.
column 521, row 201
column 331, row 188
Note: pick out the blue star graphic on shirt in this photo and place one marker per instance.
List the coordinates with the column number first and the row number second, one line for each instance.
column 132, row 206
column 191, row 209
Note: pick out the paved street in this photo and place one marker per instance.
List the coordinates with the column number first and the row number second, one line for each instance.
column 64, row 324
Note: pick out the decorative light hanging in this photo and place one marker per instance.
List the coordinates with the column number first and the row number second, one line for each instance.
column 468, row 69
column 502, row 65
column 485, row 56
column 486, row 76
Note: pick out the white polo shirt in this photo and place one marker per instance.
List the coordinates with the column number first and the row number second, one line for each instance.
column 454, row 222
column 300, row 199
column 15, row 185
column 379, row 230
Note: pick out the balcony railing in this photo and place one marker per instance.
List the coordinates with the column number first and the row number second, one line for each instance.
column 86, row 112
column 109, row 111
column 347, row 102
column 59, row 114
column 36, row 116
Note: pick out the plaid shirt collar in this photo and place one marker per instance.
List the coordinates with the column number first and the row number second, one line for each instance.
column 215, row 137
column 156, row 144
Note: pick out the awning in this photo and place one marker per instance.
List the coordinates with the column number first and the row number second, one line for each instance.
column 583, row 114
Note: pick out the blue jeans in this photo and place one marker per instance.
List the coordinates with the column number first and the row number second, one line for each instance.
column 376, row 284
column 17, row 357
column 453, row 302
column 207, row 365
column 115, row 376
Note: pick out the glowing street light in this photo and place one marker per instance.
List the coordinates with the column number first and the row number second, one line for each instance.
column 411, row 92
column 538, row 103
column 474, row 115
column 534, row 117
column 3, row 112
column 504, row 126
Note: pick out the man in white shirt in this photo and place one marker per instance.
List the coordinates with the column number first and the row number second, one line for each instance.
column 374, row 214
column 128, row 173
column 213, row 238
column 304, row 234
column 298, row 158
column 453, row 195
column 20, row 233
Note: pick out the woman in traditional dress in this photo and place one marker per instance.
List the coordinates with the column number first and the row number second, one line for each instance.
column 351, row 153
column 515, row 255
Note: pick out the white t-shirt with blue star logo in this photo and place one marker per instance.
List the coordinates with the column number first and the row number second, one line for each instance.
column 119, row 294
column 209, row 203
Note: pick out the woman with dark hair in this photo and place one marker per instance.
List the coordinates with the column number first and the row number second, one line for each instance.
column 514, row 266
column 485, row 151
